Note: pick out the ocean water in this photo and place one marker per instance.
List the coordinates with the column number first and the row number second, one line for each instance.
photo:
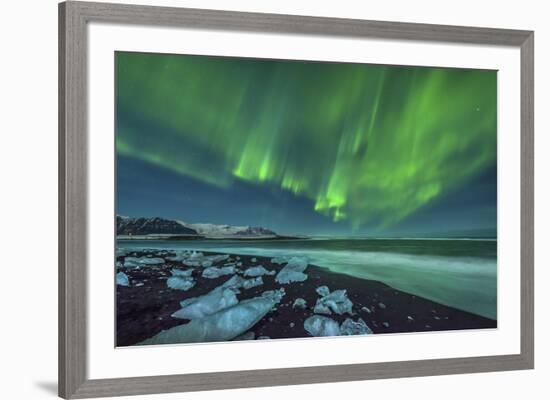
column 460, row 273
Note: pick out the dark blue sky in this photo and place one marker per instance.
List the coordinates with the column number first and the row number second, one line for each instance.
column 144, row 189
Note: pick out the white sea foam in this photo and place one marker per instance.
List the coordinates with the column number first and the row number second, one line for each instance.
column 466, row 283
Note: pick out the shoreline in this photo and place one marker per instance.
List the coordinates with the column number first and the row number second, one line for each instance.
column 160, row 237
column 145, row 307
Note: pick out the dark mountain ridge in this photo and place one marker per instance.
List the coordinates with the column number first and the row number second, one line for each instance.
column 151, row 226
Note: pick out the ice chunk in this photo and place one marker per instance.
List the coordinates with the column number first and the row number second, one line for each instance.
column 351, row 327
column 191, row 263
column 218, row 258
column 263, row 338
column 366, row 309
column 335, row 302
column 323, row 291
column 299, row 303
column 235, row 282
column 275, row 295
column 381, row 306
column 253, row 259
column 298, row 263
column 176, row 258
column 214, row 301
column 136, row 262
column 179, row 256
column 154, row 261
column 318, row 325
column 122, row 279
column 195, row 259
column 215, row 272
column 194, row 254
column 286, row 276
column 181, row 272
column 250, row 283
column 208, row 261
column 223, row 325
column 293, row 271
column 258, row 270
column 180, row 283
column 279, row 260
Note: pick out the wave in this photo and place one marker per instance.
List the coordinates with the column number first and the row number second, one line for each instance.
column 473, row 239
column 466, row 283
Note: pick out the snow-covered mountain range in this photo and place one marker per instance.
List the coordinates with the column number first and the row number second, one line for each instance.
column 130, row 226
column 213, row 230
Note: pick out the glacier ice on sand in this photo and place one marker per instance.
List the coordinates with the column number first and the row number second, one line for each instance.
column 279, row 260
column 197, row 259
column 137, row 262
column 215, row 272
column 180, row 283
column 293, row 271
column 223, row 325
column 250, row 283
column 351, row 327
column 276, row 295
column 217, row 299
column 336, row 302
column 258, row 270
column 181, row 279
column 299, row 303
column 179, row 257
column 235, row 283
column 318, row 325
column 210, row 303
column 182, row 273
column 122, row 279
column 323, row 291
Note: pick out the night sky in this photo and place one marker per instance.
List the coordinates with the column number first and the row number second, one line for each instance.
column 306, row 147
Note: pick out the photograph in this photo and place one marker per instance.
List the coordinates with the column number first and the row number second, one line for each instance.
column 261, row 199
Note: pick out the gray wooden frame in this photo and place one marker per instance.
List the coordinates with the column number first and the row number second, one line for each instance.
column 73, row 171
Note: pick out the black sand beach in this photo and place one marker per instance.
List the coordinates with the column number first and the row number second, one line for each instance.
column 145, row 307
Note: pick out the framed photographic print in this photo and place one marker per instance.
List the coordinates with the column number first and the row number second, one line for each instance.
column 237, row 186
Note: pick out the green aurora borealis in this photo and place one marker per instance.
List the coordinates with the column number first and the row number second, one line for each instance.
column 366, row 144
